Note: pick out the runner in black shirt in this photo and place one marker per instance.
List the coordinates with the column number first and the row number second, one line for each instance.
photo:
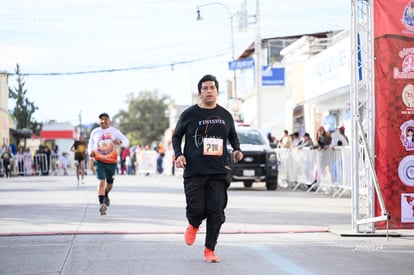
column 206, row 128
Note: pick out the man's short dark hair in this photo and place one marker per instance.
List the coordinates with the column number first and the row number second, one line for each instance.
column 207, row 77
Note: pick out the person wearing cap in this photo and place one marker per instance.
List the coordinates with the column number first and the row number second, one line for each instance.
column 103, row 147
column 342, row 132
column 206, row 127
column 337, row 140
column 305, row 142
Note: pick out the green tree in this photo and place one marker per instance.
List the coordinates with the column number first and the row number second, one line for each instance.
column 24, row 108
column 144, row 121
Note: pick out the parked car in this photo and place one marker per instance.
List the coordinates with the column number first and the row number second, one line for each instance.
column 260, row 162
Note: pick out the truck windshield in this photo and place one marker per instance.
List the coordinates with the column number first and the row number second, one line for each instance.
column 251, row 137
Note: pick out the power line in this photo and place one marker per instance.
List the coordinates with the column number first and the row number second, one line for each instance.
column 134, row 68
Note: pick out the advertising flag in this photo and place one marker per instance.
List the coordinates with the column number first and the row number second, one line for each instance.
column 394, row 109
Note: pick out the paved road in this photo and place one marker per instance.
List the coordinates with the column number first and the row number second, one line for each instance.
column 49, row 225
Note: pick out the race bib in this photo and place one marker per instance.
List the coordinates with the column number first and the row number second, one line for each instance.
column 212, row 146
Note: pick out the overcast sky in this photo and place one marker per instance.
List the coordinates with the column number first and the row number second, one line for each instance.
column 159, row 42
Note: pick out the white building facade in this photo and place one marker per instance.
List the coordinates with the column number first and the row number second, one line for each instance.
column 315, row 90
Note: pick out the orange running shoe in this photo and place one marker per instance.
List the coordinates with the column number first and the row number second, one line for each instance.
column 210, row 256
column 190, row 234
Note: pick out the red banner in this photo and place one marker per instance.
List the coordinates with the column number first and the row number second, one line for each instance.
column 394, row 109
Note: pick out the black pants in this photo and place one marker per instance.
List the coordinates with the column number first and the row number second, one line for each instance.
column 7, row 167
column 206, row 198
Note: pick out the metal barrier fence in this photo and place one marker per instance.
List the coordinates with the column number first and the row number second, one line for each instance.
column 39, row 164
column 2, row 170
column 147, row 162
column 22, row 165
column 316, row 169
column 54, row 163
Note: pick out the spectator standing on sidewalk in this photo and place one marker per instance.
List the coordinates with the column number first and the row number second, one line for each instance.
column 7, row 160
column 206, row 128
column 103, row 147
column 160, row 158
column 305, row 142
column 40, row 161
column 54, row 157
column 28, row 162
column 295, row 139
column 20, row 160
column 286, row 140
column 63, row 160
column 124, row 153
column 46, row 151
column 337, row 140
column 128, row 164
column 342, row 132
column 273, row 142
column 323, row 139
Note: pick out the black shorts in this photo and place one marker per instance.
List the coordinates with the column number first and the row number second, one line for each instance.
column 80, row 157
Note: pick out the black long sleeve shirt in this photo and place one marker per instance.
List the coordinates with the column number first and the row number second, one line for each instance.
column 205, row 133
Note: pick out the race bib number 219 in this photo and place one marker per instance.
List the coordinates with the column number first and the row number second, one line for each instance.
column 213, row 146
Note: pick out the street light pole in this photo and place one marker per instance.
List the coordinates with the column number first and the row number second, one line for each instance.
column 232, row 36
column 258, row 51
column 80, row 123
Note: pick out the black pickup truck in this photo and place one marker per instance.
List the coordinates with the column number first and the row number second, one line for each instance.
column 260, row 162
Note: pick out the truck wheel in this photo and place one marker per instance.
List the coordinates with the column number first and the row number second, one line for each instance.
column 271, row 184
column 248, row 184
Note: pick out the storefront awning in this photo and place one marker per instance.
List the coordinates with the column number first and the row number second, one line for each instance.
column 56, row 134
